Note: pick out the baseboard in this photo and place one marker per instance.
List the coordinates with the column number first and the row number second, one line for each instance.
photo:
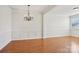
column 41, row 38
column 56, row 36
column 27, row 39
column 75, row 35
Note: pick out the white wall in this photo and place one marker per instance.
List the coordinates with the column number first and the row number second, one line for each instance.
column 23, row 29
column 55, row 24
column 5, row 25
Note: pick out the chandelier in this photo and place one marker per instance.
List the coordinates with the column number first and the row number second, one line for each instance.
column 28, row 17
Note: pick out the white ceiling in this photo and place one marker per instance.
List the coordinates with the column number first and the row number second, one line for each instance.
column 65, row 10
column 34, row 8
column 56, row 9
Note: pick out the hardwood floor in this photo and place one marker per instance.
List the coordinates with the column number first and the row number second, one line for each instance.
column 49, row 45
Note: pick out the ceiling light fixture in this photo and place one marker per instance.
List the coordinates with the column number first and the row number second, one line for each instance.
column 76, row 8
column 28, row 17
